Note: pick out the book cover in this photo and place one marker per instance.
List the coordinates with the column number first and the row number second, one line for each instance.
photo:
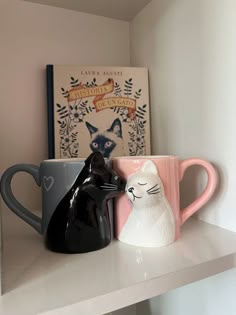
column 94, row 108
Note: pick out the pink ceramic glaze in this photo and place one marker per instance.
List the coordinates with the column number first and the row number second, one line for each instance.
column 171, row 171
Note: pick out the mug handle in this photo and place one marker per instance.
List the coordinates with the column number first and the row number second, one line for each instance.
column 208, row 191
column 10, row 199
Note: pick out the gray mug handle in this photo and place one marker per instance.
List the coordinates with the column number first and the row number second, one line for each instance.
column 10, row 199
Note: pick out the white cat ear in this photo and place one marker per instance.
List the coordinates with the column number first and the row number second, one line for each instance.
column 149, row 167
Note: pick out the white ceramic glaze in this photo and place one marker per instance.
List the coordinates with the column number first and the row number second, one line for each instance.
column 171, row 171
column 151, row 221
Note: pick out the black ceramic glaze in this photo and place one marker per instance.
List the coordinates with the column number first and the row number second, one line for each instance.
column 81, row 222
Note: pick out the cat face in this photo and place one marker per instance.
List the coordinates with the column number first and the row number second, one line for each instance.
column 144, row 187
column 101, row 178
column 105, row 141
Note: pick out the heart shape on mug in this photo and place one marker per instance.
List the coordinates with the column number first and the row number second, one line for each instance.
column 48, row 182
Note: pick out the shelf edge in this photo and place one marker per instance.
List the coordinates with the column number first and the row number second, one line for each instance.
column 147, row 289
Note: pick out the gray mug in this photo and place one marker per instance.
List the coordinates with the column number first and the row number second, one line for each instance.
column 55, row 177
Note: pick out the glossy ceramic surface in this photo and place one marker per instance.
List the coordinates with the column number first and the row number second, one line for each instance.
column 171, row 171
column 81, row 223
column 151, row 221
column 76, row 214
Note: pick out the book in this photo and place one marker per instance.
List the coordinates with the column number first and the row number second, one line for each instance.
column 93, row 108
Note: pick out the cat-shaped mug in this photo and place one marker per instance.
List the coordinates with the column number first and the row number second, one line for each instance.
column 149, row 214
column 75, row 192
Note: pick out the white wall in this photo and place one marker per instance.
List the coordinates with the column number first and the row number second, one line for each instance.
column 189, row 47
column 31, row 36
column 215, row 296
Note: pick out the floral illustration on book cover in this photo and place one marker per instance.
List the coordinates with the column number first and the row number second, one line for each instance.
column 102, row 109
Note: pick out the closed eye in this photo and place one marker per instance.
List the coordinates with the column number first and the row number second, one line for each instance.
column 142, row 184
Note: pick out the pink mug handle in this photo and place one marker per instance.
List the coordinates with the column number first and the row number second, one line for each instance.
column 208, row 191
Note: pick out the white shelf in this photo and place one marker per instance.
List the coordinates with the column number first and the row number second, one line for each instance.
column 37, row 281
column 122, row 9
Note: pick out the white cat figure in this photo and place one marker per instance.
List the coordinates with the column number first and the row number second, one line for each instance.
column 151, row 221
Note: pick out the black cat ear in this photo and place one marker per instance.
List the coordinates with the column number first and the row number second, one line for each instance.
column 91, row 128
column 116, row 127
column 95, row 160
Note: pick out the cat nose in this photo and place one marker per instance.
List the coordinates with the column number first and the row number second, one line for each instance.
column 131, row 189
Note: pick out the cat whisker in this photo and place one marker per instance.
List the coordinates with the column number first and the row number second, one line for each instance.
column 154, row 190
column 108, row 188
column 157, row 185
column 108, row 184
column 114, row 186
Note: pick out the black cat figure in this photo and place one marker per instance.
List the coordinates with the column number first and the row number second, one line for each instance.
column 81, row 221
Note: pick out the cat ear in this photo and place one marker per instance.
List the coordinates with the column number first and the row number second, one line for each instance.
column 149, row 167
column 95, row 160
column 91, row 128
column 116, row 127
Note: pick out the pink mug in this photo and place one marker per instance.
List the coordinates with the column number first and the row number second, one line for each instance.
column 152, row 182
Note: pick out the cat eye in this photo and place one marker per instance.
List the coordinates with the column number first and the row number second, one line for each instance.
column 142, row 184
column 95, row 145
column 108, row 144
